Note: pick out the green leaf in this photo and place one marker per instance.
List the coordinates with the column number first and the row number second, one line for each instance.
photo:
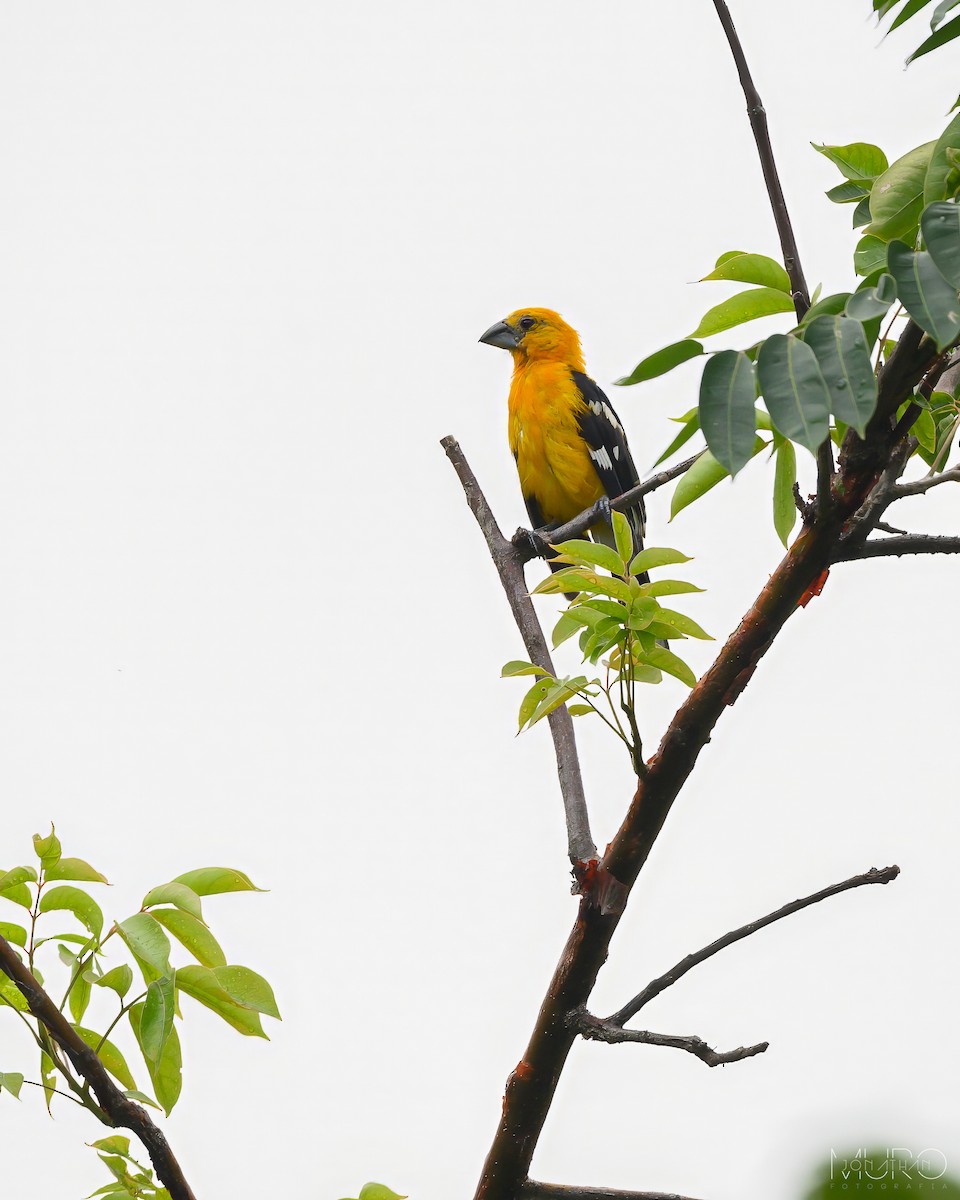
column 15, row 934
column 910, row 9
column 656, row 556
column 75, row 869
column 18, row 893
column 519, row 667
column 109, row 1055
column 941, row 11
column 591, row 554
column 378, row 1191
column 166, row 1073
column 79, row 998
column 784, row 477
column 18, row 875
column 870, row 255
column 118, row 979
column 869, row 302
column 941, row 234
column 248, row 989
column 192, row 934
column 11, row 994
column 148, row 943
column 47, row 848
column 848, row 193
column 202, row 985
column 156, row 1018
column 728, row 393
column 940, row 166
column 844, row 357
column 684, row 624
column 557, row 692
column 71, row 899
column 116, row 1144
column 897, row 196
column 861, row 214
column 925, row 431
column 705, row 473
column 662, row 361
column 579, row 710
column 944, row 34
column 177, row 894
column 751, row 268
column 744, row 306
column 623, row 537
column 12, row 1081
column 859, row 160
column 827, row 307
column 667, row 661
column 690, row 428
column 925, row 294
column 669, row 587
column 794, row 390
column 209, row 881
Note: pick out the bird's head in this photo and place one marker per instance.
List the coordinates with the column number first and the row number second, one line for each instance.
column 536, row 335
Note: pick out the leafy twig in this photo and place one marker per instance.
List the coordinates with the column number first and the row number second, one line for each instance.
column 121, row 1111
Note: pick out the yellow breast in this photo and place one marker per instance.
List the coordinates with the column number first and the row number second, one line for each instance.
column 553, row 460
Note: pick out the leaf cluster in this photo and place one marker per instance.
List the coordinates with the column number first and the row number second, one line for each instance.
column 942, row 31
column 146, row 987
column 820, row 378
column 618, row 615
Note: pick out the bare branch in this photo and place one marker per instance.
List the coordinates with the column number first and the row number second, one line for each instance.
column 913, row 543
column 919, row 487
column 509, row 566
column 582, row 521
column 533, row 1190
column 669, row 978
column 771, row 177
column 121, row 1111
column 598, row 1030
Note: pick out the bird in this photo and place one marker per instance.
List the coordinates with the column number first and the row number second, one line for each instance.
column 568, row 443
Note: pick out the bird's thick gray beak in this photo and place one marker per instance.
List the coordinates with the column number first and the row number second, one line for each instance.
column 501, row 335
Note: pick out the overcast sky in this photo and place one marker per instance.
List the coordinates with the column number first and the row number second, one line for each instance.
column 247, row 250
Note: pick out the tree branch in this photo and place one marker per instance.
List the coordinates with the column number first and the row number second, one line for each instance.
column 122, row 1112
column 677, row 972
column 531, row 1087
column 912, row 543
column 598, row 1030
column 509, row 566
column 771, row 177
column 532, row 1190
column 919, row 487
column 523, row 545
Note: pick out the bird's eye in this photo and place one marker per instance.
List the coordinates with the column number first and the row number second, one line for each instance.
column 527, row 322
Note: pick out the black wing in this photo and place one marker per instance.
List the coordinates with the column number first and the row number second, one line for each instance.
column 600, row 428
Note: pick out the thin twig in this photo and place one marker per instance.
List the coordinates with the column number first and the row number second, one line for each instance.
column 918, row 487
column 597, row 1030
column 669, row 978
column 913, row 543
column 121, row 1111
column 771, row 177
column 534, row 1190
column 524, row 547
column 509, row 566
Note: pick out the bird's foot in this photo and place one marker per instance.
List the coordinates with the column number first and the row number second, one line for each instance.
column 531, row 542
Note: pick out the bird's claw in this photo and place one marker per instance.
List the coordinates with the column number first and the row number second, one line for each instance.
column 531, row 543
column 604, row 510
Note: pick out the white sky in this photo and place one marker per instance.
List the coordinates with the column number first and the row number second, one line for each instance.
column 247, row 252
